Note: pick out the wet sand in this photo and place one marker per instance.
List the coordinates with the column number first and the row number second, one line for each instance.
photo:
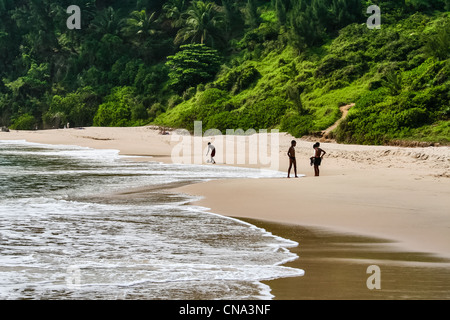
column 335, row 266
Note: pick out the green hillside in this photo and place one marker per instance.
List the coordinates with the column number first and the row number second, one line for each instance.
column 285, row 64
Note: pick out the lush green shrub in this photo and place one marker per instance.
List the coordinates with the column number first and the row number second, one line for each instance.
column 393, row 81
column 296, row 124
column 110, row 114
column 412, row 118
column 78, row 108
column 238, row 79
column 223, row 121
column 263, row 114
column 192, row 65
column 24, row 122
column 329, row 64
column 173, row 101
column 211, row 98
column 155, row 110
column 437, row 44
column 138, row 113
column 202, row 107
column 120, row 109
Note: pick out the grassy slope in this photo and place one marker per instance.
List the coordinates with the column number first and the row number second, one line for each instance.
column 347, row 69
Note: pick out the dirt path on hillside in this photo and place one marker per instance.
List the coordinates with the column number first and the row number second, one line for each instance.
column 344, row 110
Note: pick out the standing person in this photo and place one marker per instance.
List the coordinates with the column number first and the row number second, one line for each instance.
column 292, row 160
column 318, row 156
column 213, row 152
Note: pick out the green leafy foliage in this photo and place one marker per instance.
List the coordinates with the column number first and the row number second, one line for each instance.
column 77, row 108
column 24, row 122
column 250, row 64
column 202, row 24
column 120, row 109
column 192, row 65
column 238, row 79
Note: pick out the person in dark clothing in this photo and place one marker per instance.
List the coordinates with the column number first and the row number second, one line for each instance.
column 318, row 156
column 292, row 160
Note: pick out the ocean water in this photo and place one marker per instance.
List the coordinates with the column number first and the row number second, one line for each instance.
column 79, row 223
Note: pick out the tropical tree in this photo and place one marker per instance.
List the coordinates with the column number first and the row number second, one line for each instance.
column 107, row 22
column 118, row 108
column 340, row 14
column 281, row 8
column 437, row 44
column 175, row 11
column 35, row 18
column 234, row 22
column 140, row 26
column 393, row 81
column 202, row 24
column 78, row 108
column 194, row 64
column 251, row 14
column 304, row 27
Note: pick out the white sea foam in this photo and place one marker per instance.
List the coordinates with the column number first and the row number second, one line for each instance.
column 55, row 243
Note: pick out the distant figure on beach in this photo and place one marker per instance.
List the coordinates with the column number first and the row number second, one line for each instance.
column 318, row 156
column 292, row 160
column 162, row 131
column 213, row 152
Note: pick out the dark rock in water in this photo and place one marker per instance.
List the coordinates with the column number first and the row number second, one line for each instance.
column 5, row 129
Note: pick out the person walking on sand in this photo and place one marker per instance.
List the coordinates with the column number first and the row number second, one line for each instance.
column 292, row 160
column 318, row 156
column 213, row 152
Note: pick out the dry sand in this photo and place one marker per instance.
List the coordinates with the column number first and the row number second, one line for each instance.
column 380, row 205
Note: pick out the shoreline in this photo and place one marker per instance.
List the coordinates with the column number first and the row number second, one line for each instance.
column 364, row 192
column 412, row 219
column 336, row 263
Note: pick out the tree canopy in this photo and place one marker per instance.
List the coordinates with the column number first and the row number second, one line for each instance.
column 276, row 63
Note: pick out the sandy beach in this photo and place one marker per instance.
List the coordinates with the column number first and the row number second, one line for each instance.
column 372, row 205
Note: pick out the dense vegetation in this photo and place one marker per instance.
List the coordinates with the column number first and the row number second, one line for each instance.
column 287, row 64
